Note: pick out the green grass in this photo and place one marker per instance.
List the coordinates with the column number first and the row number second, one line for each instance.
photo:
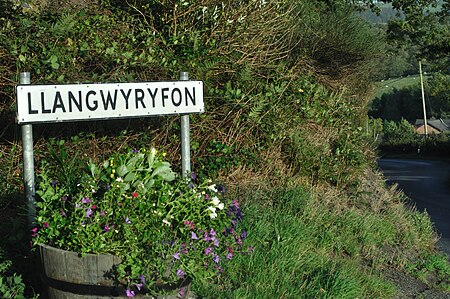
column 387, row 86
column 303, row 249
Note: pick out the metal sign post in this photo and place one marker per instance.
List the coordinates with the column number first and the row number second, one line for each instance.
column 28, row 160
column 185, row 138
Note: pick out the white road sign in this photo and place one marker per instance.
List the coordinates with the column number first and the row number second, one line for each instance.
column 71, row 102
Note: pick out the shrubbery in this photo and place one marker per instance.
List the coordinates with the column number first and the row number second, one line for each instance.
column 271, row 71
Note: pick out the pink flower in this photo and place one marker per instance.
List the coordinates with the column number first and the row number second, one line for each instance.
column 189, row 224
column 180, row 273
column 45, row 225
column 134, row 194
column 129, row 293
column 34, row 231
column 182, row 293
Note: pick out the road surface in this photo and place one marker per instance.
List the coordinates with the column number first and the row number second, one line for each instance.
column 427, row 183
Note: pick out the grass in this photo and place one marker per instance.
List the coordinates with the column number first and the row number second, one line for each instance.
column 387, row 86
column 306, row 249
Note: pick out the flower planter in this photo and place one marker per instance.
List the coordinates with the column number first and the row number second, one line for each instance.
column 68, row 275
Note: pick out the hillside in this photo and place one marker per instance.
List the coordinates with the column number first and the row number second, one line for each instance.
column 286, row 89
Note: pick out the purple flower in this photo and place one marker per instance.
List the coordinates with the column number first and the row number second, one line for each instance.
column 212, row 232
column 191, row 186
column 127, row 220
column 193, row 176
column 106, row 228
column 129, row 293
column 184, row 250
column 251, row 249
column 236, row 204
column 176, row 255
column 221, row 189
column 182, row 293
column 139, row 286
column 229, row 231
column 135, row 151
column 85, row 200
column 102, row 213
column 89, row 213
column 233, row 223
column 216, row 259
column 206, row 196
column 194, row 236
column 142, row 277
column 180, row 273
column 208, row 250
column 229, row 255
column 244, row 234
column 53, row 183
column 216, row 241
column 206, row 237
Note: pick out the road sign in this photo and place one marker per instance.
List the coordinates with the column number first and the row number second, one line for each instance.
column 73, row 102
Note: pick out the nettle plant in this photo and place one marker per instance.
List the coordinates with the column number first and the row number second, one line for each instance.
column 166, row 229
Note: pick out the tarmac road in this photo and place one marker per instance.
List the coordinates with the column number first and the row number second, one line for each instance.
column 427, row 183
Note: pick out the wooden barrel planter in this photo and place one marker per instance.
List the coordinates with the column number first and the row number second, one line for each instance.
column 68, row 275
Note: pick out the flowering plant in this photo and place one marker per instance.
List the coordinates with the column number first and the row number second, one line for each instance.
column 164, row 228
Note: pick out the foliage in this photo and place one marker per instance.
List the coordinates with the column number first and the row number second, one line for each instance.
column 396, row 61
column 11, row 285
column 401, row 103
column 398, row 133
column 164, row 228
column 439, row 95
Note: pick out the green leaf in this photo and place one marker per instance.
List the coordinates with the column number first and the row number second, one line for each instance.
column 122, row 170
column 130, row 177
column 161, row 170
column 168, row 176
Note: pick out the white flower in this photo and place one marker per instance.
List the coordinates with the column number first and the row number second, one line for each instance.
column 220, row 206
column 213, row 188
column 119, row 179
column 215, row 200
column 154, row 151
column 213, row 213
column 166, row 222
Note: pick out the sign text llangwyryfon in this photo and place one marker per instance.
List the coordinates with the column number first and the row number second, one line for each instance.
column 72, row 102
